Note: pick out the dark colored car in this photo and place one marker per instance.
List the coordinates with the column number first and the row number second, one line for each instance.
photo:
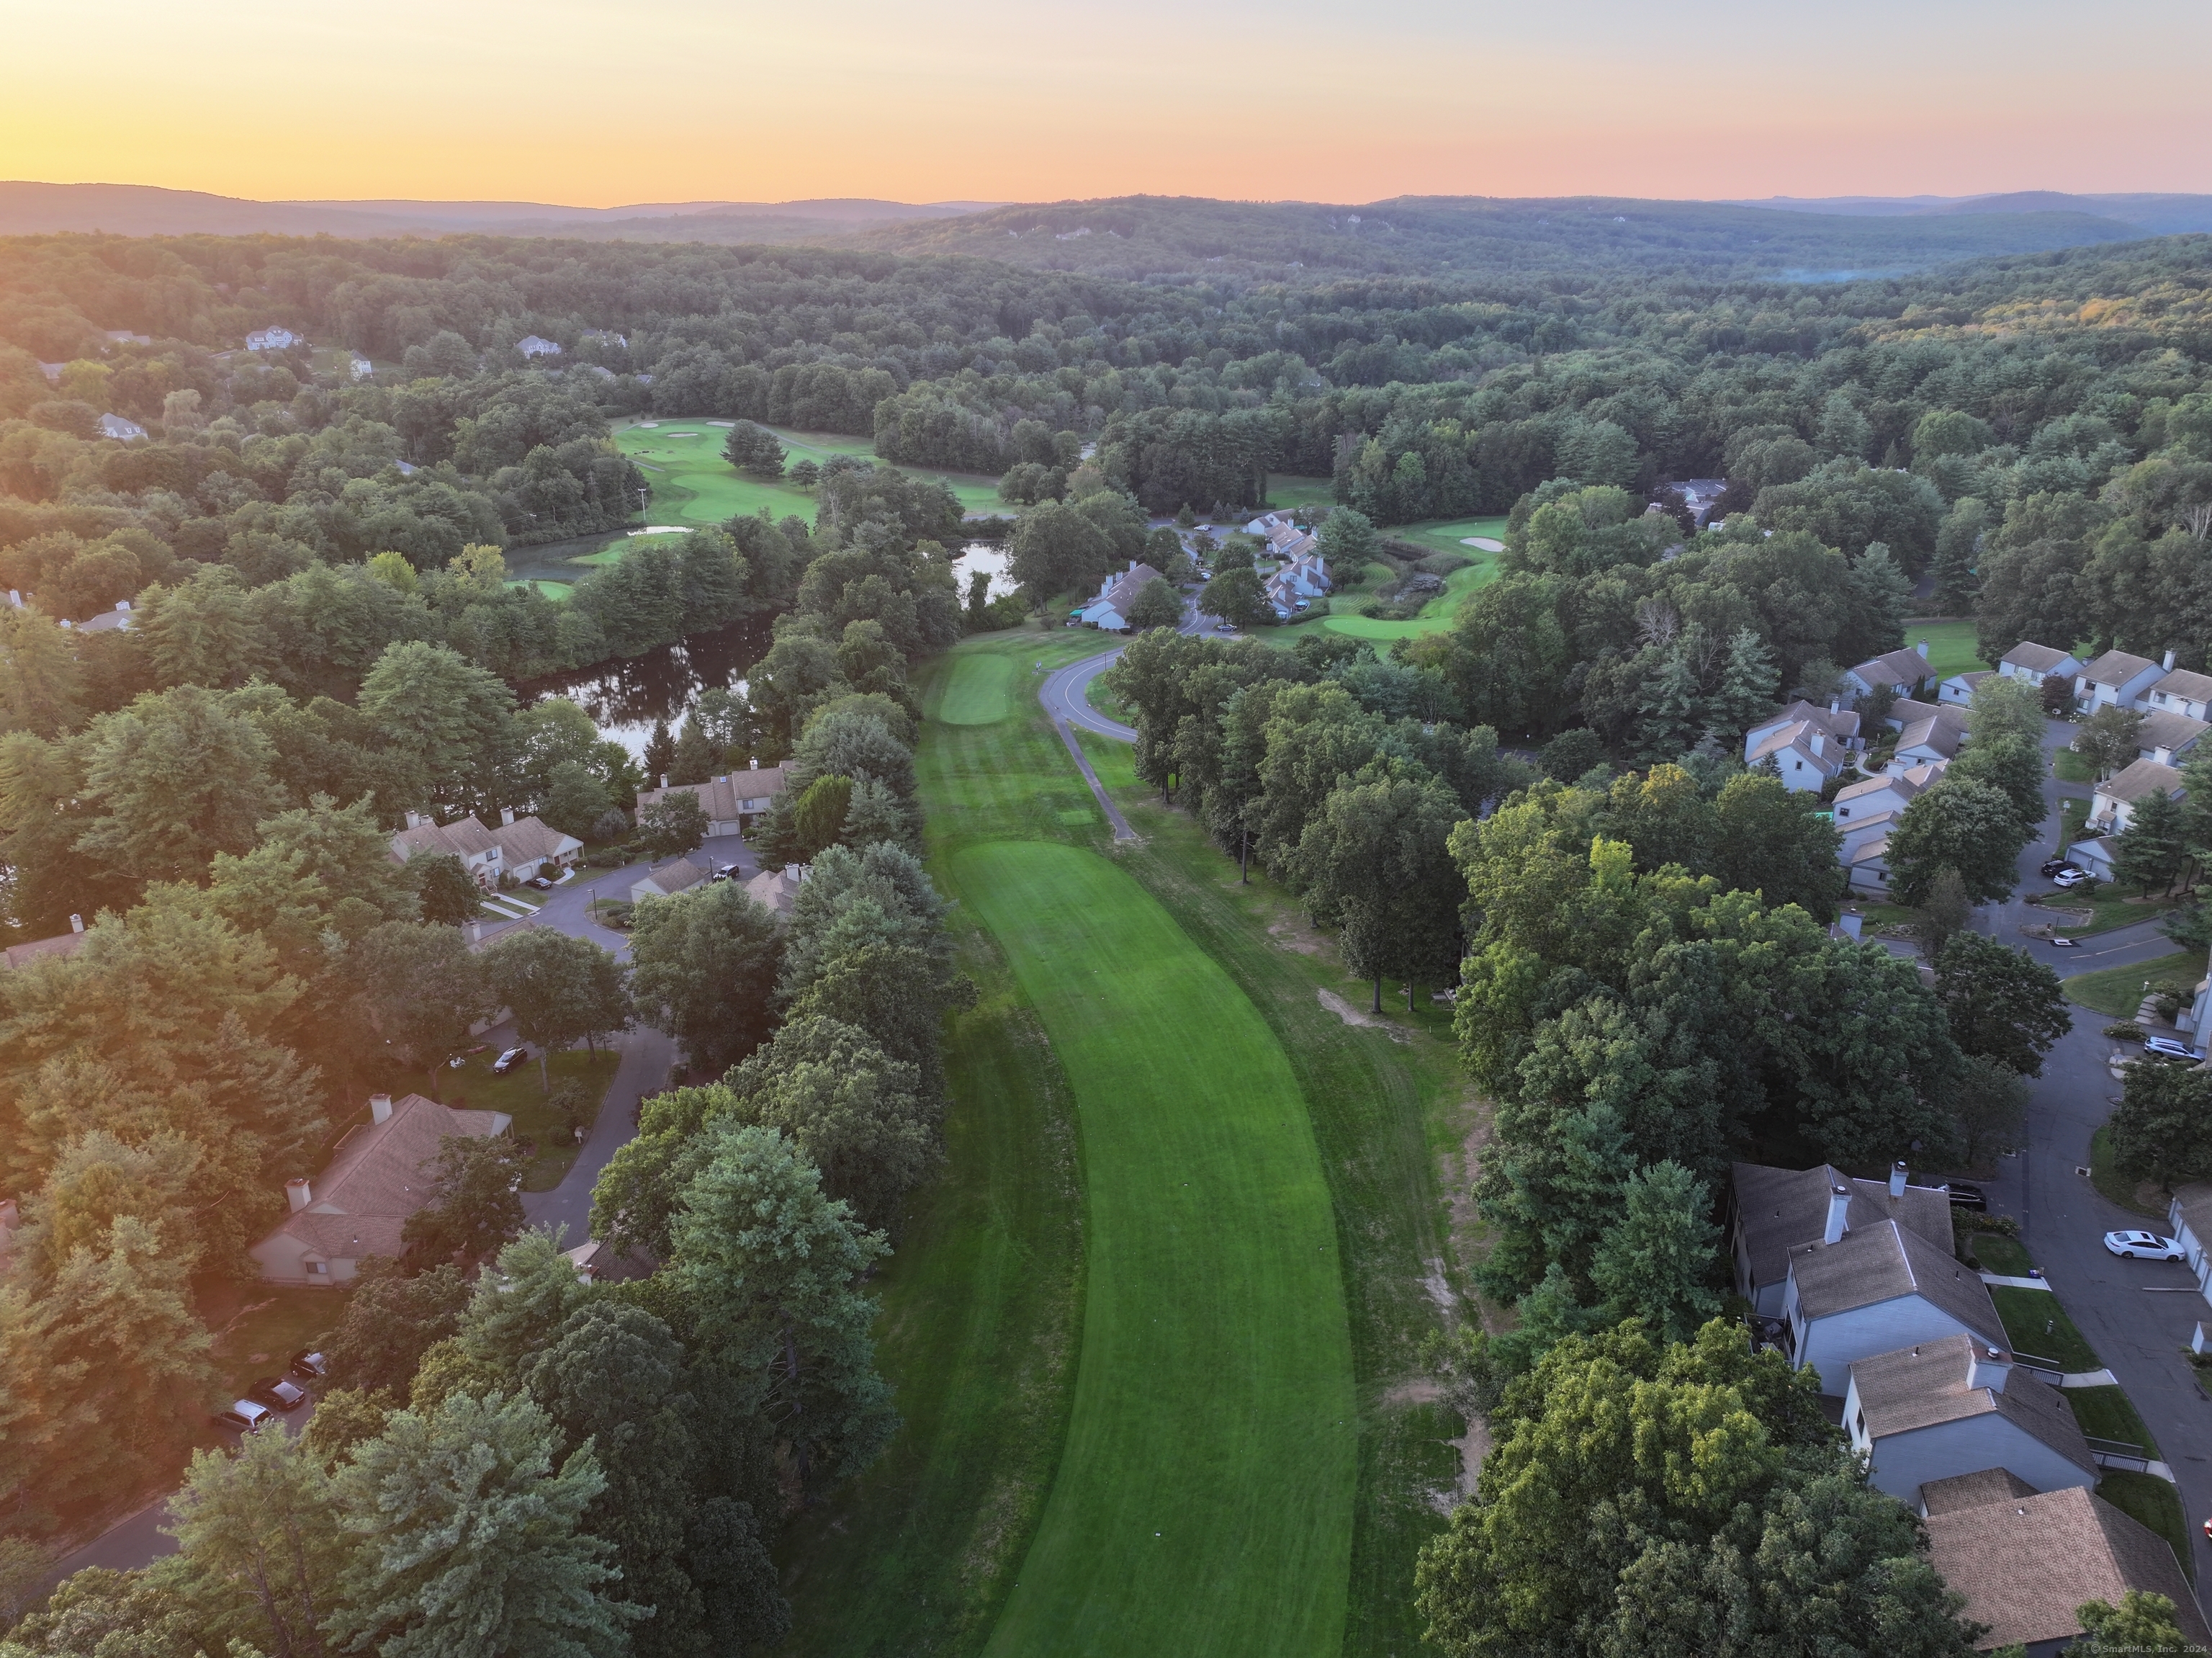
column 277, row 1394
column 1964, row 1196
column 308, row 1366
column 539, row 883
column 2052, row 866
column 507, row 1061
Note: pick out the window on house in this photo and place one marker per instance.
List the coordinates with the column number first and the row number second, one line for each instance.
column 1858, row 1425
column 317, row 1268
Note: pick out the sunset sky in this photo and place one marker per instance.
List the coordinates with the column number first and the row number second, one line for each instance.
column 586, row 102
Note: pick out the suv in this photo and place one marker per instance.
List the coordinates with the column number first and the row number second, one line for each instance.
column 244, row 1417
column 2172, row 1048
column 507, row 1061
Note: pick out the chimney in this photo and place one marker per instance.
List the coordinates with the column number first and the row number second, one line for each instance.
column 299, row 1194
column 2169, row 662
column 76, row 923
column 753, row 765
column 661, row 781
column 1897, row 1180
column 1987, row 1367
column 413, row 819
column 1923, row 649
column 1820, row 742
column 124, row 604
column 1839, row 1201
column 1835, row 705
column 379, row 1107
column 506, row 817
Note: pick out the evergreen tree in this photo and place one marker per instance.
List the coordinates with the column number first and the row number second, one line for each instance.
column 1958, row 551
column 695, row 759
column 471, row 1541
column 2151, row 851
column 1746, row 692
column 258, row 1535
column 659, row 754
column 1670, row 710
column 1656, row 1261
column 773, row 1267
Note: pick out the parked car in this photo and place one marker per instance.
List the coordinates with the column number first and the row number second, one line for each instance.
column 308, row 1365
column 244, row 1417
column 2055, row 865
column 2172, row 1048
column 507, row 1061
column 277, row 1394
column 1965, row 1195
column 723, row 872
column 2072, row 877
column 2143, row 1246
column 540, row 883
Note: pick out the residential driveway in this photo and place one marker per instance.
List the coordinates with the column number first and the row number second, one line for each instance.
column 2138, row 1315
column 648, row 1055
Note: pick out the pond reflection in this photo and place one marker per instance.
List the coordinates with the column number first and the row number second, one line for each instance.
column 624, row 699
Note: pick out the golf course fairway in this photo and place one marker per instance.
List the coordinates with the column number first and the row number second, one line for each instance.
column 976, row 691
column 1204, row 1497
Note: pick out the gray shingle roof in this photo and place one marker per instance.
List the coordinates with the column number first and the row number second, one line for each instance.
column 2138, row 778
column 2025, row 1564
column 2163, row 728
column 2197, row 687
column 2036, row 659
column 1885, row 1262
column 1777, row 1208
column 2116, row 668
column 1972, row 1490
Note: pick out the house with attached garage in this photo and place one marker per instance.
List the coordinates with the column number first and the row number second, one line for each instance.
column 2112, row 807
column 1773, row 1209
column 732, row 801
column 531, row 846
column 1929, row 734
column 359, row 1206
column 1808, row 744
column 1110, row 609
column 677, row 876
column 2189, row 1214
column 1939, row 1409
column 2117, row 680
column 464, row 837
column 534, row 345
column 1900, row 673
column 2032, row 664
column 2026, row 1561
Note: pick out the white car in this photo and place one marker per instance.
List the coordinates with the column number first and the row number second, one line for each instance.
column 2168, row 1047
column 2070, row 877
column 2143, row 1246
column 507, row 1061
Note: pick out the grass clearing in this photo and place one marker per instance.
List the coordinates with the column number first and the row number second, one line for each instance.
column 2000, row 1255
column 2067, row 766
column 1951, row 646
column 473, row 1088
column 2035, row 1324
column 2117, row 992
column 273, row 1322
column 2117, row 1187
column 1288, row 492
column 2110, row 908
column 976, row 691
column 2107, row 1413
column 2157, row 1504
column 693, row 484
column 1204, row 1497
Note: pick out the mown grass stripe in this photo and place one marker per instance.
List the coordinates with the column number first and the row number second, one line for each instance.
column 1204, row 1497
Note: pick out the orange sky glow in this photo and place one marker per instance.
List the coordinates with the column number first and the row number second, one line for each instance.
column 579, row 102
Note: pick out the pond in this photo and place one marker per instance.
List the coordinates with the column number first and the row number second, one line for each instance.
column 624, row 699
column 988, row 558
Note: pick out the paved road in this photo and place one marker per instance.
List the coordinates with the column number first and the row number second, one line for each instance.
column 1066, row 698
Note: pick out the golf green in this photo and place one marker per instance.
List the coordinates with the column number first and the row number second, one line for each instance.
column 975, row 693
column 1204, row 1497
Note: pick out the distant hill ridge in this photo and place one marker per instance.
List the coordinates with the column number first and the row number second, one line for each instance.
column 1157, row 238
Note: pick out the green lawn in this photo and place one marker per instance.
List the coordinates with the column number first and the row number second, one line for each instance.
column 999, row 1268
column 693, row 484
column 2112, row 907
column 2107, row 1413
column 258, row 1340
column 520, row 1095
column 1950, row 647
column 1288, row 491
column 2000, row 1255
column 2067, row 766
column 1204, row 1499
column 2117, row 992
column 2038, row 1325
column 2156, row 1503
column 2115, row 1186
column 975, row 692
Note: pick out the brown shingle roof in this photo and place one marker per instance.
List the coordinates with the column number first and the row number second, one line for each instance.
column 1972, row 1490
column 381, row 1176
column 722, row 798
column 2025, row 1564
column 2163, row 728
column 61, row 945
column 464, row 837
column 2196, row 687
column 1777, row 1208
column 527, row 838
column 1882, row 1263
column 1123, row 591
column 1893, row 667
column 1926, row 1384
column 1941, row 734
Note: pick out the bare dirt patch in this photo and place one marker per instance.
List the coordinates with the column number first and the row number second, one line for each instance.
column 1290, row 934
column 1352, row 1015
column 1415, row 1390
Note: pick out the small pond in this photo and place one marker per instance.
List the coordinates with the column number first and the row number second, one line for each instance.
column 989, row 558
column 624, row 699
